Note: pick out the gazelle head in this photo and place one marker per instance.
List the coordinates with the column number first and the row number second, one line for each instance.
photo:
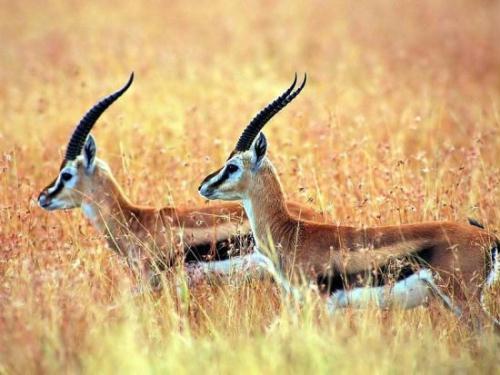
column 80, row 170
column 248, row 161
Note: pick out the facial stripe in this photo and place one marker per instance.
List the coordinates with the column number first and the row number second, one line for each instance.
column 224, row 176
column 55, row 187
column 209, row 177
column 58, row 184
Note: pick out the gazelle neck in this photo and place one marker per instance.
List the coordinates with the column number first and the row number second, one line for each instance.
column 106, row 206
column 265, row 206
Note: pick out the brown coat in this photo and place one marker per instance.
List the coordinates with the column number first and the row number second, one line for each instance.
column 457, row 253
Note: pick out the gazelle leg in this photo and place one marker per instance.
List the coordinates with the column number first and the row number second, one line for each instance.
column 438, row 294
column 260, row 260
column 146, row 273
column 471, row 297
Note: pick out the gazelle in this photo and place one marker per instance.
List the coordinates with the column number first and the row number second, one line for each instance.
column 402, row 264
column 150, row 238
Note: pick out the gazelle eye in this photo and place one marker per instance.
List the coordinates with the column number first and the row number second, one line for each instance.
column 66, row 176
column 231, row 168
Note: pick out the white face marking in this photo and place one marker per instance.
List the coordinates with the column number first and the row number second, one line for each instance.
column 47, row 202
column 69, row 184
column 53, row 188
column 50, row 190
column 222, row 185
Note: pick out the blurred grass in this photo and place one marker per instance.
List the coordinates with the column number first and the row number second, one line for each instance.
column 399, row 123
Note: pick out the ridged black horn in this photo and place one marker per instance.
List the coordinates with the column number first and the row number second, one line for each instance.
column 261, row 119
column 83, row 129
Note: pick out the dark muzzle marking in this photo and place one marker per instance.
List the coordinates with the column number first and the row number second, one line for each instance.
column 56, row 191
column 59, row 187
column 206, row 179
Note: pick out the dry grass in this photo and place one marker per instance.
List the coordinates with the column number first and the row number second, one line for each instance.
column 399, row 123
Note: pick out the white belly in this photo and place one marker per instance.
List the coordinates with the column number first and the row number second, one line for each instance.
column 413, row 291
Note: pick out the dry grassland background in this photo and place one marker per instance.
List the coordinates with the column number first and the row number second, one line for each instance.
column 399, row 122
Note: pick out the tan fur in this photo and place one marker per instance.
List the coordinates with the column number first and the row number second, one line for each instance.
column 458, row 253
column 143, row 234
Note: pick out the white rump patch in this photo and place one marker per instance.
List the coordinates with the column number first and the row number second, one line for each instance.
column 491, row 280
column 494, row 274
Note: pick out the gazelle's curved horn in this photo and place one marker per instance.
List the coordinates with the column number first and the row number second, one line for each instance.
column 261, row 119
column 85, row 125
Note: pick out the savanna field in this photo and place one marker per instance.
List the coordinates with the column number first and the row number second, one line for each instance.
column 399, row 123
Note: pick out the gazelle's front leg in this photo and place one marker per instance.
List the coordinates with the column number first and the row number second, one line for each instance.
column 146, row 279
column 260, row 260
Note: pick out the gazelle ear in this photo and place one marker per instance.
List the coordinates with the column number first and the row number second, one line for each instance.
column 89, row 151
column 259, row 148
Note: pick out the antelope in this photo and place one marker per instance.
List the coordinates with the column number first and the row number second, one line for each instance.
column 150, row 238
column 386, row 265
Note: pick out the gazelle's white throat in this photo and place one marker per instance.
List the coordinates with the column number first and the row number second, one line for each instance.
column 247, row 205
column 90, row 212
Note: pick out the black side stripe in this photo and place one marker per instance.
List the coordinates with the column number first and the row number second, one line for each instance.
column 220, row 250
column 396, row 269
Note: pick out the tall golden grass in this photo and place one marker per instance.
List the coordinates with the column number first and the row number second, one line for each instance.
column 400, row 122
